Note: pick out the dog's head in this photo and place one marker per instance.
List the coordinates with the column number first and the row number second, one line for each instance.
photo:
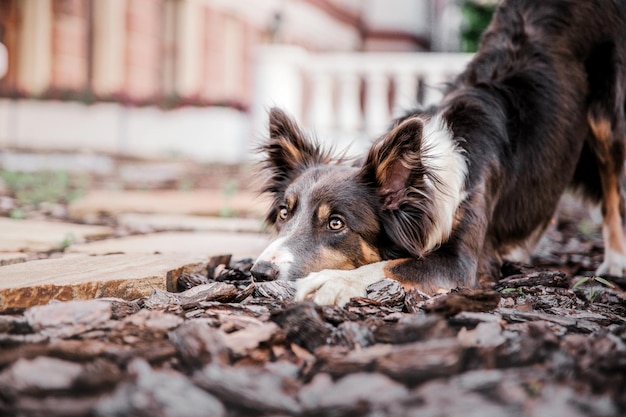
column 331, row 215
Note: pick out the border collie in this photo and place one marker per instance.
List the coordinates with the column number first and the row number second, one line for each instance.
column 449, row 193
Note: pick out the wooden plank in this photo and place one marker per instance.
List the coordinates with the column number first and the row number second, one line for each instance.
column 80, row 276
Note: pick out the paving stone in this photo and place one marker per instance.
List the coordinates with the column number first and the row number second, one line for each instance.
column 37, row 235
column 57, row 161
column 78, row 276
column 198, row 202
column 149, row 172
column 9, row 258
column 139, row 221
column 240, row 245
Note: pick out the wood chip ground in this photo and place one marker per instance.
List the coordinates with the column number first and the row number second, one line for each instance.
column 545, row 341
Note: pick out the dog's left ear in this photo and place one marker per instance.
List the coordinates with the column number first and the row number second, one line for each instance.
column 394, row 162
column 288, row 152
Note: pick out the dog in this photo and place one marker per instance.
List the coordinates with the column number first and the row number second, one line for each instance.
column 449, row 193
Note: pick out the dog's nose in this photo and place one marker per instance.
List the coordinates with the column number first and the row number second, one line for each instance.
column 264, row 271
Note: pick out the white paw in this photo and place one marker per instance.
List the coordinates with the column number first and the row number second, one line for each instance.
column 614, row 264
column 337, row 287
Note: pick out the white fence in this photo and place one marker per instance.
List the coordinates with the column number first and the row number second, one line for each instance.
column 349, row 98
column 346, row 98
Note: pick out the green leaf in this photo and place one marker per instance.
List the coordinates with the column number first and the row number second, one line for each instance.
column 580, row 282
column 605, row 282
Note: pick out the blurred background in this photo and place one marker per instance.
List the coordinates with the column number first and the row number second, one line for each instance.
column 90, row 90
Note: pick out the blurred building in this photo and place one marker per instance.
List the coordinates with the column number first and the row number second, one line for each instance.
column 115, row 75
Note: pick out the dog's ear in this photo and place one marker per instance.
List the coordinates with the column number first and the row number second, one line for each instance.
column 394, row 162
column 395, row 168
column 288, row 152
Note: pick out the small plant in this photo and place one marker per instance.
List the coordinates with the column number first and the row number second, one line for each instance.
column 67, row 241
column 476, row 18
column 30, row 189
column 587, row 228
column 229, row 190
column 593, row 291
column 17, row 214
column 517, row 290
column 185, row 184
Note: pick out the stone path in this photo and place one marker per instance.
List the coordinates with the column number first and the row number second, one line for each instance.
column 203, row 202
column 79, row 276
column 170, row 230
column 158, row 222
column 240, row 245
column 34, row 235
column 8, row 258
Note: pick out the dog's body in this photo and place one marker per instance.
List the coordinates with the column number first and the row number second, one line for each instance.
column 449, row 193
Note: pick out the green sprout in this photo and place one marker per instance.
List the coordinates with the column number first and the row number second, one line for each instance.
column 593, row 291
column 518, row 290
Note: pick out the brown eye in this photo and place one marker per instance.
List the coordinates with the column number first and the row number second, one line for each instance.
column 335, row 223
column 283, row 213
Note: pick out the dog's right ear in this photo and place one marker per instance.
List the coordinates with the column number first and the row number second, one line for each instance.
column 288, row 152
column 395, row 167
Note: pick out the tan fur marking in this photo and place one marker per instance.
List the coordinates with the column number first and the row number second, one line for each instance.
column 612, row 217
column 323, row 213
column 333, row 259
column 427, row 286
column 389, row 273
column 370, row 255
column 610, row 187
column 602, row 131
column 615, row 244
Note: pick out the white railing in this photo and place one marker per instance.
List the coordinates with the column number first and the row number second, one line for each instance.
column 348, row 98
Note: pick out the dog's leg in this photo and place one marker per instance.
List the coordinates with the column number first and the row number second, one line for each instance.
column 611, row 172
column 457, row 263
column 337, row 287
column 436, row 273
column 606, row 119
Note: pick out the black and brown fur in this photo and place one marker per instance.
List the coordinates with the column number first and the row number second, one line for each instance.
column 541, row 108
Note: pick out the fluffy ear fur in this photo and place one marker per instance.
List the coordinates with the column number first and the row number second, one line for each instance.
column 396, row 166
column 419, row 173
column 394, row 162
column 288, row 152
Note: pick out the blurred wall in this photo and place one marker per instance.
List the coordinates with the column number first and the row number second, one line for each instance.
column 169, row 55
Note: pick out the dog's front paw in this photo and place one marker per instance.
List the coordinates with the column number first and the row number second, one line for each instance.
column 330, row 287
column 614, row 264
column 337, row 287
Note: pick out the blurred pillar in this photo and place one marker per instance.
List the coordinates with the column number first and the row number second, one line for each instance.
column 189, row 37
column 109, row 39
column 35, row 50
column 4, row 60
column 278, row 82
column 376, row 102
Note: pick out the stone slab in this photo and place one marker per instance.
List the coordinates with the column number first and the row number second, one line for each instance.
column 9, row 258
column 38, row 235
column 78, row 276
column 57, row 161
column 240, row 245
column 163, row 222
column 197, row 202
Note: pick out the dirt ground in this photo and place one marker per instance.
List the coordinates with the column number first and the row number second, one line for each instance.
column 548, row 339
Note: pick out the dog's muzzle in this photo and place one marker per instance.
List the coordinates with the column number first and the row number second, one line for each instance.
column 264, row 271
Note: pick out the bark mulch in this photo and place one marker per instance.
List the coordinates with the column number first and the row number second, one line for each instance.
column 547, row 340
